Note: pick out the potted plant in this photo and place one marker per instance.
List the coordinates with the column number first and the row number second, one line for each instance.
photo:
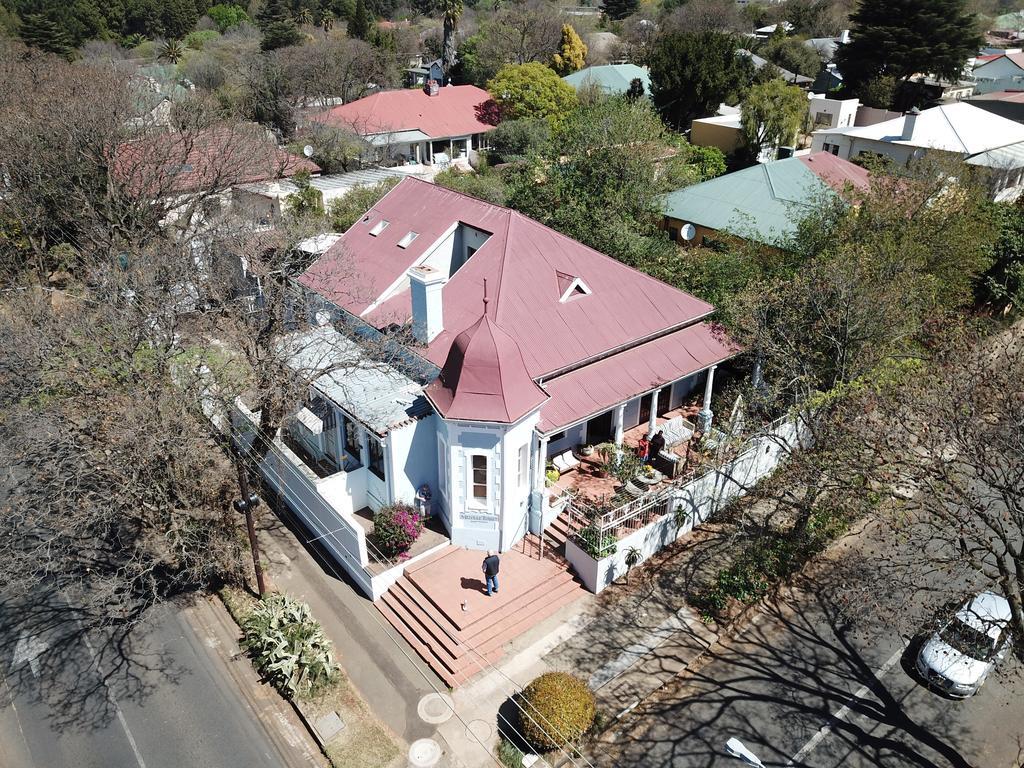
column 586, row 449
column 551, row 477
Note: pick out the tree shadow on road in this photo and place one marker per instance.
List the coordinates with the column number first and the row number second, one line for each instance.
column 781, row 681
column 77, row 665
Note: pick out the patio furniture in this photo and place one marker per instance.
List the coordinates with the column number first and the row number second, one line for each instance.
column 670, row 463
column 564, row 462
column 676, row 430
column 634, row 490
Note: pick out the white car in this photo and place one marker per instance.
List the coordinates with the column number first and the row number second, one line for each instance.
column 962, row 653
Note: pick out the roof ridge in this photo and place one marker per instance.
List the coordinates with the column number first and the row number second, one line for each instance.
column 945, row 115
column 501, row 265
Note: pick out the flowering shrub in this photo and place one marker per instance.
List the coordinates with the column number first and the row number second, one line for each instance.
column 395, row 528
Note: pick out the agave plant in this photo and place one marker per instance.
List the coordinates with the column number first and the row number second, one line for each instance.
column 305, row 17
column 134, row 40
column 172, row 51
column 288, row 646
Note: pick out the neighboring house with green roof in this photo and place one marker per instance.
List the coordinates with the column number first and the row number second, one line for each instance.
column 610, row 78
column 763, row 203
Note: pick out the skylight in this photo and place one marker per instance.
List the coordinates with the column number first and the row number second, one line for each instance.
column 409, row 237
column 379, row 227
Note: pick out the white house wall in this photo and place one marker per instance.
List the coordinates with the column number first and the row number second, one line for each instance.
column 516, row 498
column 413, row 459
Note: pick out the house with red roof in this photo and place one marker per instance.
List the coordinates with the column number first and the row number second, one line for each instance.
column 524, row 345
column 417, row 126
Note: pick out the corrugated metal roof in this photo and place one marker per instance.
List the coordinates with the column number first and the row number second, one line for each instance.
column 372, row 391
column 595, row 388
column 453, row 111
column 611, row 78
column 521, row 261
column 764, row 201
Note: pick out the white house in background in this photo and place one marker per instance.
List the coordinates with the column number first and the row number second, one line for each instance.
column 267, row 201
column 422, row 126
column 978, row 137
column 999, row 72
column 525, row 344
column 832, row 113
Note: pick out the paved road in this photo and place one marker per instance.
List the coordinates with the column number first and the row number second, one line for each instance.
column 164, row 700
column 817, row 683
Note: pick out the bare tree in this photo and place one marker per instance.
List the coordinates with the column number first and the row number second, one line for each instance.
column 953, row 438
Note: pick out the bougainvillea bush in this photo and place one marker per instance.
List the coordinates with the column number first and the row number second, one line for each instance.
column 396, row 528
column 561, row 710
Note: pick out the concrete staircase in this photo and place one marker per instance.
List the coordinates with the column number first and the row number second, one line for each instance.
column 457, row 644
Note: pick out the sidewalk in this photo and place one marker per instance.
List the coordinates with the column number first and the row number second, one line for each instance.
column 386, row 673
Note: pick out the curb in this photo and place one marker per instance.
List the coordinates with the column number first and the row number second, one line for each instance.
column 264, row 701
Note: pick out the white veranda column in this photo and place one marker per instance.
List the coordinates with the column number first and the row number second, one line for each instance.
column 620, row 416
column 705, row 416
column 652, row 422
column 540, row 463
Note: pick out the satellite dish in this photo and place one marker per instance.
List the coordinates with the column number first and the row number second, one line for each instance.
column 688, row 232
column 308, row 150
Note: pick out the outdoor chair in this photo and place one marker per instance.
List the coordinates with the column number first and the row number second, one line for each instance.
column 564, row 462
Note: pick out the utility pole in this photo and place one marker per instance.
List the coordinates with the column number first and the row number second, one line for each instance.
column 246, row 504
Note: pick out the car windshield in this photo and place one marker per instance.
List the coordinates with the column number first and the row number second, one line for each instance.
column 968, row 640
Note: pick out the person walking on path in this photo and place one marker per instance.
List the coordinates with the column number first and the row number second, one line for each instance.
column 490, row 569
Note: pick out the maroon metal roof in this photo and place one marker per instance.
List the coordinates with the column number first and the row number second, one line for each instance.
column 484, row 378
column 455, row 110
column 837, row 172
column 594, row 388
column 525, row 264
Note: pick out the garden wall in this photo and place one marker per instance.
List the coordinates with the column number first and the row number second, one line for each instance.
column 700, row 499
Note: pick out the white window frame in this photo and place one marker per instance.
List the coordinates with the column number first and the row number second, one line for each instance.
column 523, row 467
column 442, row 467
column 471, row 499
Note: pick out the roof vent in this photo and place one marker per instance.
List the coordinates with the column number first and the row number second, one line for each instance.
column 406, row 241
column 379, row 227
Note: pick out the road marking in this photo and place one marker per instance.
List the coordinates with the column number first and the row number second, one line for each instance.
column 29, row 649
column 841, row 713
column 113, row 700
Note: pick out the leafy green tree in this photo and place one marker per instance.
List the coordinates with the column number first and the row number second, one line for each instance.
column 451, row 12
column 483, row 186
column 226, row 16
column 772, row 114
column 692, row 73
column 898, row 38
column 600, row 180
column 572, row 52
column 790, row 53
column 359, row 23
column 878, row 91
column 42, row 32
column 306, row 200
column 1003, row 285
column 531, row 90
column 347, row 210
column 635, row 90
column 514, row 140
column 619, row 9
column 280, row 34
column 178, row 18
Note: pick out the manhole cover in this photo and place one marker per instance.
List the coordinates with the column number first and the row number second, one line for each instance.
column 424, row 753
column 480, row 730
column 436, row 708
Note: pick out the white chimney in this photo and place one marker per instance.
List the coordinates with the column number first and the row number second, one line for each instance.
column 909, row 122
column 844, row 36
column 425, row 284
